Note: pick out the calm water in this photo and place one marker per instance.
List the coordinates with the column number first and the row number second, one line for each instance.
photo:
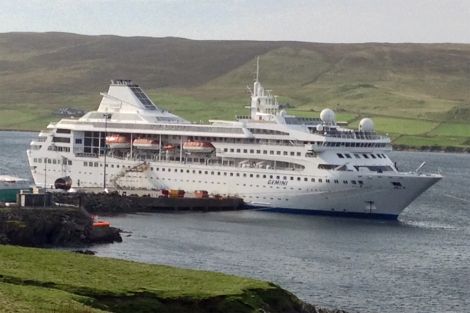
column 419, row 264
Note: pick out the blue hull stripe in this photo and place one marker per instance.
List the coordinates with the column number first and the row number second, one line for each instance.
column 326, row 213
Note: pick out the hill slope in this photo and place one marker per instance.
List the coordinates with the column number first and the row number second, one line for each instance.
column 203, row 79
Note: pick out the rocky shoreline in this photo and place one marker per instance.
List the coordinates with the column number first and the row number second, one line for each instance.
column 56, row 226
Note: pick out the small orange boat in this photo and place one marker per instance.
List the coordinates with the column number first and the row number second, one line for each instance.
column 101, row 224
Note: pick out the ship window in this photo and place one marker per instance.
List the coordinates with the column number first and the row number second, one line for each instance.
column 271, row 176
column 271, row 152
column 396, row 184
column 231, row 174
column 345, row 181
column 320, row 180
column 85, row 163
column 96, row 164
column 365, row 155
column 245, row 151
column 312, row 180
column 278, row 177
column 225, row 149
column 244, row 175
column 89, row 163
column 206, row 172
column 299, row 153
column 298, row 178
column 340, row 155
column 353, row 182
column 251, row 175
column 265, row 151
column 327, row 180
column 200, row 172
column 347, row 155
column 373, row 156
column 285, row 153
column 169, row 170
column 360, row 182
column 238, row 174
column 187, row 171
column 291, row 178
column 264, row 176
column 379, row 156
column 78, row 141
column 231, row 150
column 357, row 155
column 292, row 153
column 238, row 150
column 258, row 151
column 336, row 181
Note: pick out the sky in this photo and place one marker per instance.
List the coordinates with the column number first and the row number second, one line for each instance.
column 293, row 20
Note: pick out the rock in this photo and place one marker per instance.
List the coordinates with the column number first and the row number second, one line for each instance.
column 87, row 252
column 104, row 235
column 51, row 227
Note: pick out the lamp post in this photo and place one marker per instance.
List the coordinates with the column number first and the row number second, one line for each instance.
column 106, row 116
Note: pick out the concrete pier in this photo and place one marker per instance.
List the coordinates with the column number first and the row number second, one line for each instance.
column 132, row 201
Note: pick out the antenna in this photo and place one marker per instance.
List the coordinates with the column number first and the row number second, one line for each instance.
column 257, row 68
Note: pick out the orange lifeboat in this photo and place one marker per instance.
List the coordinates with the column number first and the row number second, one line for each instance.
column 198, row 147
column 101, row 224
column 118, row 142
column 146, row 144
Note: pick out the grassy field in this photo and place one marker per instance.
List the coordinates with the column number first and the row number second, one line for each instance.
column 39, row 280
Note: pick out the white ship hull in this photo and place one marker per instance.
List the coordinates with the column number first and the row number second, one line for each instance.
column 375, row 198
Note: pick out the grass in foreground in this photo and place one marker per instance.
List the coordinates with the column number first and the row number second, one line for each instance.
column 38, row 280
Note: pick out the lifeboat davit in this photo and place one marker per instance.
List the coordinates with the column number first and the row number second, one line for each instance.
column 198, row 147
column 118, row 142
column 146, row 144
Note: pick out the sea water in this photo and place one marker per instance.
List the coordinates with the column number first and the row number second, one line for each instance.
column 420, row 263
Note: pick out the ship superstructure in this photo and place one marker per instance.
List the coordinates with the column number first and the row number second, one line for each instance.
column 271, row 159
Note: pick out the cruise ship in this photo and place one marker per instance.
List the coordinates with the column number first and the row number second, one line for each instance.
column 273, row 160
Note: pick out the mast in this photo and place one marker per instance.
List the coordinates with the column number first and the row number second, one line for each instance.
column 257, row 69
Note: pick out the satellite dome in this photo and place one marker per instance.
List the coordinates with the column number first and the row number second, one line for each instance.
column 319, row 127
column 328, row 116
column 366, row 125
column 283, row 113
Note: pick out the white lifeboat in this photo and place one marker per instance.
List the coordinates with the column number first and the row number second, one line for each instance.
column 146, row 144
column 198, row 147
column 118, row 142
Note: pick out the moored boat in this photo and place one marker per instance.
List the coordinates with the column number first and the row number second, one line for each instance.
column 271, row 159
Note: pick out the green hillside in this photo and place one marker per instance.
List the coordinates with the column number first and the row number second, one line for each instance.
column 418, row 93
